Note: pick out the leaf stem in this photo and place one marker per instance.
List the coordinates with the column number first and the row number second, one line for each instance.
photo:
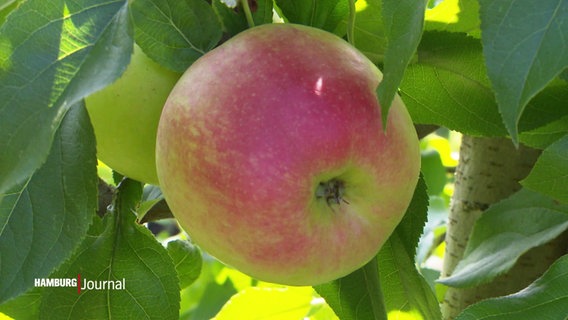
column 373, row 283
column 6, row 4
column 248, row 13
column 351, row 23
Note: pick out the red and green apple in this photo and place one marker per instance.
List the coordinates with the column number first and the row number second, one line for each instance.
column 272, row 155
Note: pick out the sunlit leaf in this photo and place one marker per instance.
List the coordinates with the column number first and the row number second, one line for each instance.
column 454, row 16
column 53, row 54
column 268, row 303
column 206, row 298
column 322, row 14
column 24, row 307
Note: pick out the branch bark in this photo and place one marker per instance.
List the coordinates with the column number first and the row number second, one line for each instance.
column 489, row 170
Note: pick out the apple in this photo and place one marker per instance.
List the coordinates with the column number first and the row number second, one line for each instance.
column 272, row 155
column 125, row 117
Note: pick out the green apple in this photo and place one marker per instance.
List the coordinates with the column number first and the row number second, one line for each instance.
column 272, row 155
column 125, row 117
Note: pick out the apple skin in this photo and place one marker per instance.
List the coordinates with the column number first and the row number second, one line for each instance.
column 125, row 117
column 251, row 130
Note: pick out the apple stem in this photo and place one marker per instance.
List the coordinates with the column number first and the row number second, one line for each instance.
column 248, row 13
column 351, row 23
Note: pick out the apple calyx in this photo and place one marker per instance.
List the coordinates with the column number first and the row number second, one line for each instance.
column 332, row 191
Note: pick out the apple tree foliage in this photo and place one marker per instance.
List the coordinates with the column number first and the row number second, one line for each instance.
column 479, row 67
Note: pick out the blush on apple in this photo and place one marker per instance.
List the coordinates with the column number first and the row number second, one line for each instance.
column 272, row 156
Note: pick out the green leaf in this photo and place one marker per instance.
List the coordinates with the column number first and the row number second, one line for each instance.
column 405, row 291
column 434, row 171
column 369, row 33
column 543, row 115
column 407, row 294
column 207, row 295
column 357, row 295
column 151, row 196
column 45, row 218
column 153, row 206
column 322, row 14
column 546, row 135
column 525, row 47
column 412, row 225
column 187, row 260
column 234, row 19
column 268, row 303
column 403, row 21
column 448, row 86
column 6, row 3
column 550, row 173
column 175, row 33
column 564, row 75
column 546, row 298
column 6, row 6
column 454, row 16
column 24, row 307
column 213, row 298
column 369, row 30
column 53, row 54
column 117, row 249
column 434, row 229
column 320, row 310
column 504, row 232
